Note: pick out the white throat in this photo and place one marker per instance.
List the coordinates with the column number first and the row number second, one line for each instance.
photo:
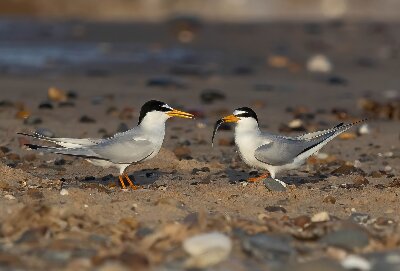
column 247, row 125
column 153, row 124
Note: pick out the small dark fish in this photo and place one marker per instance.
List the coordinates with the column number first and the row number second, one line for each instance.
column 217, row 125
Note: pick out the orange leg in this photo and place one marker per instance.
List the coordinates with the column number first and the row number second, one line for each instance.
column 122, row 182
column 256, row 179
column 134, row 187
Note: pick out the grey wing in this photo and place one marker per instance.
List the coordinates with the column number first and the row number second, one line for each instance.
column 281, row 151
column 122, row 150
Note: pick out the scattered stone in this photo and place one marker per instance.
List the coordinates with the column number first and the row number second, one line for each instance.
column 330, row 199
column 269, row 247
column 9, row 197
column 274, row 209
column 273, row 185
column 86, row 119
column 302, row 221
column 320, row 217
column 376, row 174
column 278, row 61
column 323, row 264
column 64, row 192
column 226, row 142
column 56, row 94
column 337, row 80
column 346, row 169
column 319, row 64
column 347, row 238
column 347, row 136
column 182, row 152
column 360, row 181
column 207, row 249
column 209, row 96
column 46, row 105
column 364, row 129
column 360, row 218
column 22, row 114
column 166, row 82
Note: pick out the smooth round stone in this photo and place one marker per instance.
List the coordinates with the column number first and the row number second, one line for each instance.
column 207, row 249
column 349, row 238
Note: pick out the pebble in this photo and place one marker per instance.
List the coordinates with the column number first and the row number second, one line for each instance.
column 302, row 221
column 9, row 197
column 319, row 64
column 269, row 247
column 182, row 152
column 364, row 129
column 346, row 170
column 86, row 119
column 347, row 238
column 347, row 136
column 64, row 192
column 320, row 217
column 359, row 218
column 56, row 94
column 316, row 265
column 209, row 96
column 45, row 105
column 166, row 82
column 273, row 185
column 354, row 262
column 274, row 209
column 359, row 181
column 330, row 199
column 207, row 249
column 337, row 80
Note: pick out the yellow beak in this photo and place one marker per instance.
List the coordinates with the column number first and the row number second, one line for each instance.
column 230, row 118
column 181, row 114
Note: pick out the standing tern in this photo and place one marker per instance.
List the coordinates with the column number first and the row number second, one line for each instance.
column 275, row 153
column 136, row 145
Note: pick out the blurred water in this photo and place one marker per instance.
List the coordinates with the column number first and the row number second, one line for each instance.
column 37, row 56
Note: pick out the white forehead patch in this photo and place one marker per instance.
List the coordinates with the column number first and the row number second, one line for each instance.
column 167, row 106
column 238, row 112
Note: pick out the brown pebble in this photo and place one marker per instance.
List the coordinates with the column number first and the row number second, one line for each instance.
column 225, row 142
column 56, row 94
column 302, row 221
column 376, row 174
column 360, row 181
column 330, row 199
column 182, row 152
column 22, row 114
column 382, row 221
column 347, row 136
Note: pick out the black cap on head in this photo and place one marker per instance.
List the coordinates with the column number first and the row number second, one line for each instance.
column 246, row 112
column 153, row 105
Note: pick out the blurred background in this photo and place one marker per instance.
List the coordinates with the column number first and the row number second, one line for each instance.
column 221, row 10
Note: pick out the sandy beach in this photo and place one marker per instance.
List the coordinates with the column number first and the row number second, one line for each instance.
column 64, row 213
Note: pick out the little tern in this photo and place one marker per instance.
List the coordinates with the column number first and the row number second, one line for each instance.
column 136, row 145
column 274, row 153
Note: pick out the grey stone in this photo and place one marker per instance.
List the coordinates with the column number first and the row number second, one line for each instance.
column 273, row 185
column 347, row 238
column 269, row 247
column 317, row 265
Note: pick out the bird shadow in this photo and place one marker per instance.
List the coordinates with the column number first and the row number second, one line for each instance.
column 144, row 177
column 236, row 176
